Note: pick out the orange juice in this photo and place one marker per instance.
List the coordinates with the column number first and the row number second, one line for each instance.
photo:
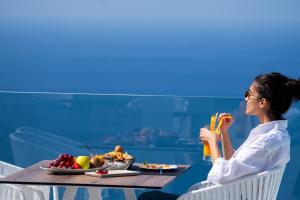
column 206, row 150
column 211, row 127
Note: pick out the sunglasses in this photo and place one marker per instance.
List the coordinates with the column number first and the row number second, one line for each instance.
column 247, row 94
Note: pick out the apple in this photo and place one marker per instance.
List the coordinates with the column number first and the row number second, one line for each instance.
column 83, row 161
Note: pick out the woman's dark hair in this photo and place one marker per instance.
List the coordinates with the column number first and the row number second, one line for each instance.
column 279, row 90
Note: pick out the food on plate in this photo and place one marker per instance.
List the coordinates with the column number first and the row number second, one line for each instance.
column 76, row 166
column 63, row 161
column 113, row 155
column 101, row 172
column 100, row 157
column 118, row 155
column 96, row 162
column 156, row 166
column 83, row 161
column 119, row 148
column 67, row 161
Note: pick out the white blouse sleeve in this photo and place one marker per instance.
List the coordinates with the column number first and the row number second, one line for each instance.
column 249, row 161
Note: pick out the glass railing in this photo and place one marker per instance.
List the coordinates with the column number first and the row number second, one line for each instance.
column 160, row 129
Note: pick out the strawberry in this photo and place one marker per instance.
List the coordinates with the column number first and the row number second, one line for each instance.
column 102, row 172
column 76, row 166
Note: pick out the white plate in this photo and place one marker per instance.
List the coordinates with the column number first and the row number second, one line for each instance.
column 163, row 167
column 114, row 173
column 56, row 170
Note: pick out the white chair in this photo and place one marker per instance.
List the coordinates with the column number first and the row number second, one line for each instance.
column 16, row 192
column 261, row 186
column 40, row 145
column 11, row 192
column 43, row 145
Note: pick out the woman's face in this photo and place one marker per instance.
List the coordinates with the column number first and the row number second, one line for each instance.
column 252, row 99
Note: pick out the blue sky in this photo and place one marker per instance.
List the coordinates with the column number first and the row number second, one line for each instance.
column 243, row 13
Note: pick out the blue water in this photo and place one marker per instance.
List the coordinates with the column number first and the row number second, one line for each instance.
column 180, row 60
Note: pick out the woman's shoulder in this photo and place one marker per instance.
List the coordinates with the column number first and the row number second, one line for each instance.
column 276, row 138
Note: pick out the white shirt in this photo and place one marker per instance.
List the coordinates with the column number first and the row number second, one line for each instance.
column 267, row 146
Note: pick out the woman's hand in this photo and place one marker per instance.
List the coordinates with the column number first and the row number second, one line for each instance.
column 212, row 139
column 206, row 136
column 226, row 120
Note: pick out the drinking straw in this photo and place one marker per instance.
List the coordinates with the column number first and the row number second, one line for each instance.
column 213, row 120
column 218, row 130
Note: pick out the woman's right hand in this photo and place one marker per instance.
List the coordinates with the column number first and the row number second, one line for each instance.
column 206, row 136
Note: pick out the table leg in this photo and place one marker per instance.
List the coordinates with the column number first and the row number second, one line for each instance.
column 70, row 192
column 55, row 193
column 129, row 194
column 94, row 193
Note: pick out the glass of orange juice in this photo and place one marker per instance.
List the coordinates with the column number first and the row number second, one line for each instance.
column 211, row 128
column 206, row 149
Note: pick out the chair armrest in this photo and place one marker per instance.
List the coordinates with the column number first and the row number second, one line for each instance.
column 200, row 185
column 195, row 194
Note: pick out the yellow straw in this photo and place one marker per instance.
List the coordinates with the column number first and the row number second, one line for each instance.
column 211, row 122
column 218, row 131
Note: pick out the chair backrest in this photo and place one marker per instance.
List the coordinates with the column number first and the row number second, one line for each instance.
column 40, row 145
column 261, row 186
column 8, row 169
column 17, row 192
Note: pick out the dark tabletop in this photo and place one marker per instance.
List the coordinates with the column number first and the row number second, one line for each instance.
column 34, row 175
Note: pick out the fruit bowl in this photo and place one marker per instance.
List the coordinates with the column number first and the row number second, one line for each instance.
column 118, row 159
column 119, row 165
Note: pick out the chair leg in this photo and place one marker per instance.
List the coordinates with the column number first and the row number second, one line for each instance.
column 55, row 193
column 94, row 193
column 70, row 192
column 129, row 194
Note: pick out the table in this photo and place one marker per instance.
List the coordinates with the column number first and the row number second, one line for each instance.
column 34, row 175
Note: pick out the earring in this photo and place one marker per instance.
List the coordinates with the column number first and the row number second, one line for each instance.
column 262, row 100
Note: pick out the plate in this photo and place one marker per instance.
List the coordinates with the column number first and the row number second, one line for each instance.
column 56, row 170
column 114, row 173
column 157, row 167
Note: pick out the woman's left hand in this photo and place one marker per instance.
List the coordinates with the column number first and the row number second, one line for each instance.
column 226, row 121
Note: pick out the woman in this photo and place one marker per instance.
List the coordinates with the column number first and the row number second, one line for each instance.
column 268, row 144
